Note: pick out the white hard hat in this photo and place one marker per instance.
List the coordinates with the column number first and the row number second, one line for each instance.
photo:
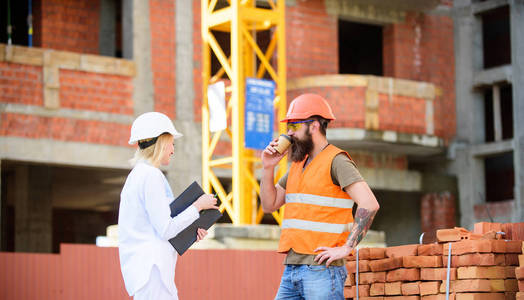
column 150, row 125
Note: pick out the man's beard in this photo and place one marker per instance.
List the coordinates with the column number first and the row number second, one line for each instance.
column 300, row 148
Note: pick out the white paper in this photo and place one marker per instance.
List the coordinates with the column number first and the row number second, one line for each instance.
column 216, row 99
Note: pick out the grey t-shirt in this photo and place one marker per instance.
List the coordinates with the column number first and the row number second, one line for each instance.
column 344, row 173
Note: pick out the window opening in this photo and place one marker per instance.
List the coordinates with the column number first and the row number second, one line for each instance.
column 506, row 110
column 360, row 48
column 499, row 177
column 498, row 113
column 16, row 14
column 496, row 37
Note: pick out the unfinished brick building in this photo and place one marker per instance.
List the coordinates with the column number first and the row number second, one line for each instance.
column 386, row 67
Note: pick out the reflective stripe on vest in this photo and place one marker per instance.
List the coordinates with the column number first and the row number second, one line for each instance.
column 316, row 226
column 319, row 200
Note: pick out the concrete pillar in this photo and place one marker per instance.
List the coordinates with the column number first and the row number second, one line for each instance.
column 106, row 40
column 33, row 209
column 466, row 200
column 464, row 77
column 464, row 24
column 187, row 161
column 517, row 59
column 185, row 94
column 468, row 53
column 127, row 29
column 143, row 95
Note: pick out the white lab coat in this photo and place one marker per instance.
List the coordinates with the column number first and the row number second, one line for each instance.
column 145, row 226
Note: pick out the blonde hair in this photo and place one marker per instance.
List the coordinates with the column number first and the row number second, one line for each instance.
column 154, row 153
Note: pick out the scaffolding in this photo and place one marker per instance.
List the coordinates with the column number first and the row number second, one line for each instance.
column 241, row 20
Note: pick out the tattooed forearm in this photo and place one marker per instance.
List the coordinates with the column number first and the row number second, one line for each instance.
column 363, row 219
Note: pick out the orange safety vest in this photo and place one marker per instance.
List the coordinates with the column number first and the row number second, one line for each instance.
column 317, row 212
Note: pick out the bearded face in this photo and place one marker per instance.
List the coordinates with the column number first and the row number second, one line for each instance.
column 301, row 147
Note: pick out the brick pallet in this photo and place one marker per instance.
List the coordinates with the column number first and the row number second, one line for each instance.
column 481, row 268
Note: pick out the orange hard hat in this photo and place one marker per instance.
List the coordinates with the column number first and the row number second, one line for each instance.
column 308, row 105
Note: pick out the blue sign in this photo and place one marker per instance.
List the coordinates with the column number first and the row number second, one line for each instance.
column 258, row 122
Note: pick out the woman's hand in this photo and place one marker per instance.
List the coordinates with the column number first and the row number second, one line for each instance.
column 206, row 201
column 201, row 233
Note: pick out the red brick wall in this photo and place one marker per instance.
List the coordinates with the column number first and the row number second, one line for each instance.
column 437, row 211
column 21, row 84
column 71, row 25
column 389, row 45
column 421, row 49
column 311, row 40
column 497, row 210
column 387, row 161
column 162, row 20
column 402, row 48
column 98, row 92
column 63, row 129
column 439, row 66
column 402, row 114
column 398, row 113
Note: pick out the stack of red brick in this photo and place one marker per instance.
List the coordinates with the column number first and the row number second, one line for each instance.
column 519, row 272
column 512, row 231
column 481, row 268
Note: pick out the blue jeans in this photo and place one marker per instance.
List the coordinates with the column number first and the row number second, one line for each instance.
column 312, row 283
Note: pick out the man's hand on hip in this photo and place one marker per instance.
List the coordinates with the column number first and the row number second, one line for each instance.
column 332, row 254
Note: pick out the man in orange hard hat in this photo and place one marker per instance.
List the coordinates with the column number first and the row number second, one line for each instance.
column 318, row 230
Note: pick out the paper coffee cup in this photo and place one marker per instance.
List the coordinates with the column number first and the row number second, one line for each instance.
column 283, row 143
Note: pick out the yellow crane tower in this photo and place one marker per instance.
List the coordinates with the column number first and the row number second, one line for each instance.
column 242, row 19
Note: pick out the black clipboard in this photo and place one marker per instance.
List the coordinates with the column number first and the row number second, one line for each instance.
column 184, row 239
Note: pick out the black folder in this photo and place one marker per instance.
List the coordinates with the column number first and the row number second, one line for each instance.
column 188, row 196
column 183, row 240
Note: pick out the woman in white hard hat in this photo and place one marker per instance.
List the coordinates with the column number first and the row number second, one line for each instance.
column 147, row 259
